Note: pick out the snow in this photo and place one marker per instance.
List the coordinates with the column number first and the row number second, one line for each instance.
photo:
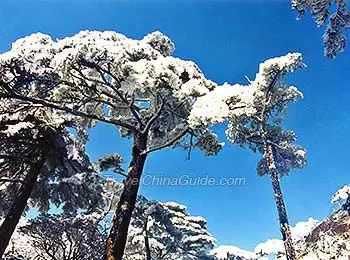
column 110, row 47
column 270, row 247
column 14, row 129
column 282, row 64
column 301, row 152
column 175, row 206
column 160, row 42
column 221, row 252
column 21, row 244
column 237, row 103
column 214, row 107
column 341, row 194
column 134, row 69
column 303, row 229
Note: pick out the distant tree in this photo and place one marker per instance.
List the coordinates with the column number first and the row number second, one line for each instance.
column 134, row 85
column 166, row 231
column 66, row 237
column 255, row 113
column 72, row 236
column 334, row 38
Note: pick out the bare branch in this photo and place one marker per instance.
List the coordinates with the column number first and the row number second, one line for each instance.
column 116, row 89
column 190, row 147
column 169, row 143
column 154, row 116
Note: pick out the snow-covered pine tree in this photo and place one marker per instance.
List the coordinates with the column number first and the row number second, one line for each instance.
column 171, row 232
column 71, row 236
column 61, row 237
column 167, row 231
column 255, row 113
column 334, row 38
column 135, row 85
column 41, row 161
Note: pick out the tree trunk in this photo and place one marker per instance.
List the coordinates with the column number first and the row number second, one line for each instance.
column 19, row 204
column 117, row 237
column 281, row 207
column 147, row 246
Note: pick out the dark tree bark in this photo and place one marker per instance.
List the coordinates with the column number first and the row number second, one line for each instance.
column 281, row 207
column 19, row 204
column 117, row 238
column 147, row 246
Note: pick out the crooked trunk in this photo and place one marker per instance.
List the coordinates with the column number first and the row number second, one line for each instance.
column 19, row 204
column 117, row 237
column 281, row 207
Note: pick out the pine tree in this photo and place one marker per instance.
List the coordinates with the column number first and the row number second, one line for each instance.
column 135, row 85
column 255, row 113
column 38, row 159
column 166, row 231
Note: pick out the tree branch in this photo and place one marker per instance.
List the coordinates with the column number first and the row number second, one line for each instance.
column 102, row 71
column 169, row 143
column 154, row 117
column 2, row 180
column 51, row 104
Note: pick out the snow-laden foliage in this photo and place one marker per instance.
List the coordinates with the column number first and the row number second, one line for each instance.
column 328, row 248
column 66, row 237
column 105, row 76
column 255, row 112
column 171, row 232
column 341, row 198
column 31, row 133
column 341, row 195
column 20, row 247
column 167, row 231
column 334, row 38
column 134, row 85
column 329, row 239
column 64, row 158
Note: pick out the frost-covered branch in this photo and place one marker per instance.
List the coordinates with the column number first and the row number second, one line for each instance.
column 50, row 104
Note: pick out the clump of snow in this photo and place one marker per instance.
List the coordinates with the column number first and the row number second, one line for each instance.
column 303, row 229
column 221, row 252
column 160, row 42
column 270, row 247
column 222, row 103
column 341, row 194
column 14, row 129
column 287, row 63
column 175, row 206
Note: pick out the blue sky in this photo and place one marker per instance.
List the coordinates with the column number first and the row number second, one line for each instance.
column 227, row 39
